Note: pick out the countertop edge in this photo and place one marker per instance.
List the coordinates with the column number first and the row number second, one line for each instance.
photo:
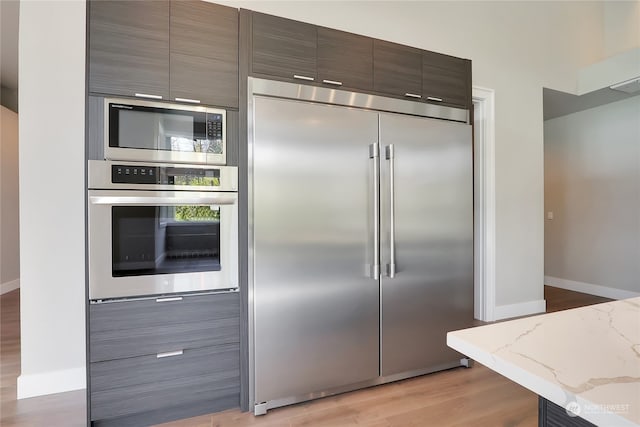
column 550, row 391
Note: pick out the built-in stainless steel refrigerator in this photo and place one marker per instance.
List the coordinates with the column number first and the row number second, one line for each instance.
column 360, row 239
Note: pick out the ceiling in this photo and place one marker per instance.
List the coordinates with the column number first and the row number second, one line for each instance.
column 9, row 12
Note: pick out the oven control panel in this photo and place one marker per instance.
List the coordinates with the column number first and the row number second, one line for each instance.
column 164, row 175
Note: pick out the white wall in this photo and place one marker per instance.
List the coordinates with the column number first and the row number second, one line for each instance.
column 621, row 26
column 52, row 97
column 516, row 49
column 9, row 217
column 592, row 185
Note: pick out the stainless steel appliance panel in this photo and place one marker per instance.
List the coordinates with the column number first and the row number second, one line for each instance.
column 106, row 283
column 316, row 310
column 152, row 131
column 431, row 290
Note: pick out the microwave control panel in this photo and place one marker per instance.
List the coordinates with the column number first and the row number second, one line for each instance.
column 214, row 127
column 127, row 174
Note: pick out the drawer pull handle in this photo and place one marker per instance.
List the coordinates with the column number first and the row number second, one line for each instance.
column 168, row 299
column 332, row 82
column 413, row 95
column 146, row 95
column 299, row 77
column 169, row 354
column 433, row 98
column 192, row 101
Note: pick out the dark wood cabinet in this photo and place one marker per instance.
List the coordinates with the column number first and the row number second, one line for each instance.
column 204, row 53
column 283, row 48
column 167, row 49
column 163, row 359
column 289, row 50
column 397, row 70
column 134, row 385
column 129, row 47
column 446, row 80
column 345, row 59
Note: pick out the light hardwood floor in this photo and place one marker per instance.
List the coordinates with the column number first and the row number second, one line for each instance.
column 458, row 397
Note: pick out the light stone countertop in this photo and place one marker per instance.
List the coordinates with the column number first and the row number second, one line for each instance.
column 589, row 355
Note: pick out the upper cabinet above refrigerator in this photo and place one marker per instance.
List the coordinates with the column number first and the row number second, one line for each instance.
column 181, row 51
column 297, row 51
column 288, row 50
column 397, row 70
column 446, row 80
column 204, row 53
column 283, row 48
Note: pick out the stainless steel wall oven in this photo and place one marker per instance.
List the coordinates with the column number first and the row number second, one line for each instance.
column 157, row 229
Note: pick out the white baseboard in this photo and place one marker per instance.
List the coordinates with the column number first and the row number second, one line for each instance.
column 9, row 286
column 588, row 288
column 521, row 309
column 51, row 382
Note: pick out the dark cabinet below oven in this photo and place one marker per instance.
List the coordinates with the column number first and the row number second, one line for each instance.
column 158, row 359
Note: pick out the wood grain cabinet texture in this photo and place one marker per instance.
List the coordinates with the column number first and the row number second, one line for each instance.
column 446, row 79
column 147, row 383
column 155, row 360
column 174, row 49
column 129, row 47
column 136, row 328
column 295, row 51
column 204, row 53
column 397, row 70
column 283, row 48
column 345, row 59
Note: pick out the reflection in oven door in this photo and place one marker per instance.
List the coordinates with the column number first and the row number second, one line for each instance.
column 144, row 243
column 162, row 239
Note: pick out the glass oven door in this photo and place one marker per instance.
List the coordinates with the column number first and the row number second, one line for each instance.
column 160, row 242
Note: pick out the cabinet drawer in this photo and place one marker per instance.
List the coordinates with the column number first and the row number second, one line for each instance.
column 163, row 311
column 141, row 384
column 144, row 327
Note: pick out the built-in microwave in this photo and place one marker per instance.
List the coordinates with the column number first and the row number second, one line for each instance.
column 150, row 131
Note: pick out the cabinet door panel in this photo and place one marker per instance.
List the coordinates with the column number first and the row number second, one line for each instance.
column 397, row 69
column 129, row 47
column 139, row 384
column 210, row 81
column 446, row 78
column 204, row 52
column 346, row 58
column 137, row 328
column 282, row 47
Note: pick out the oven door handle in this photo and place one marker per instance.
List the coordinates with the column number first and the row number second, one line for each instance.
column 191, row 199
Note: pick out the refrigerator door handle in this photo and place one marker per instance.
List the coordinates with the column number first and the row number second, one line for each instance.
column 391, row 267
column 374, row 154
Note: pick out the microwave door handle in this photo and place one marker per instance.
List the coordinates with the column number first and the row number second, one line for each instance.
column 161, row 201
